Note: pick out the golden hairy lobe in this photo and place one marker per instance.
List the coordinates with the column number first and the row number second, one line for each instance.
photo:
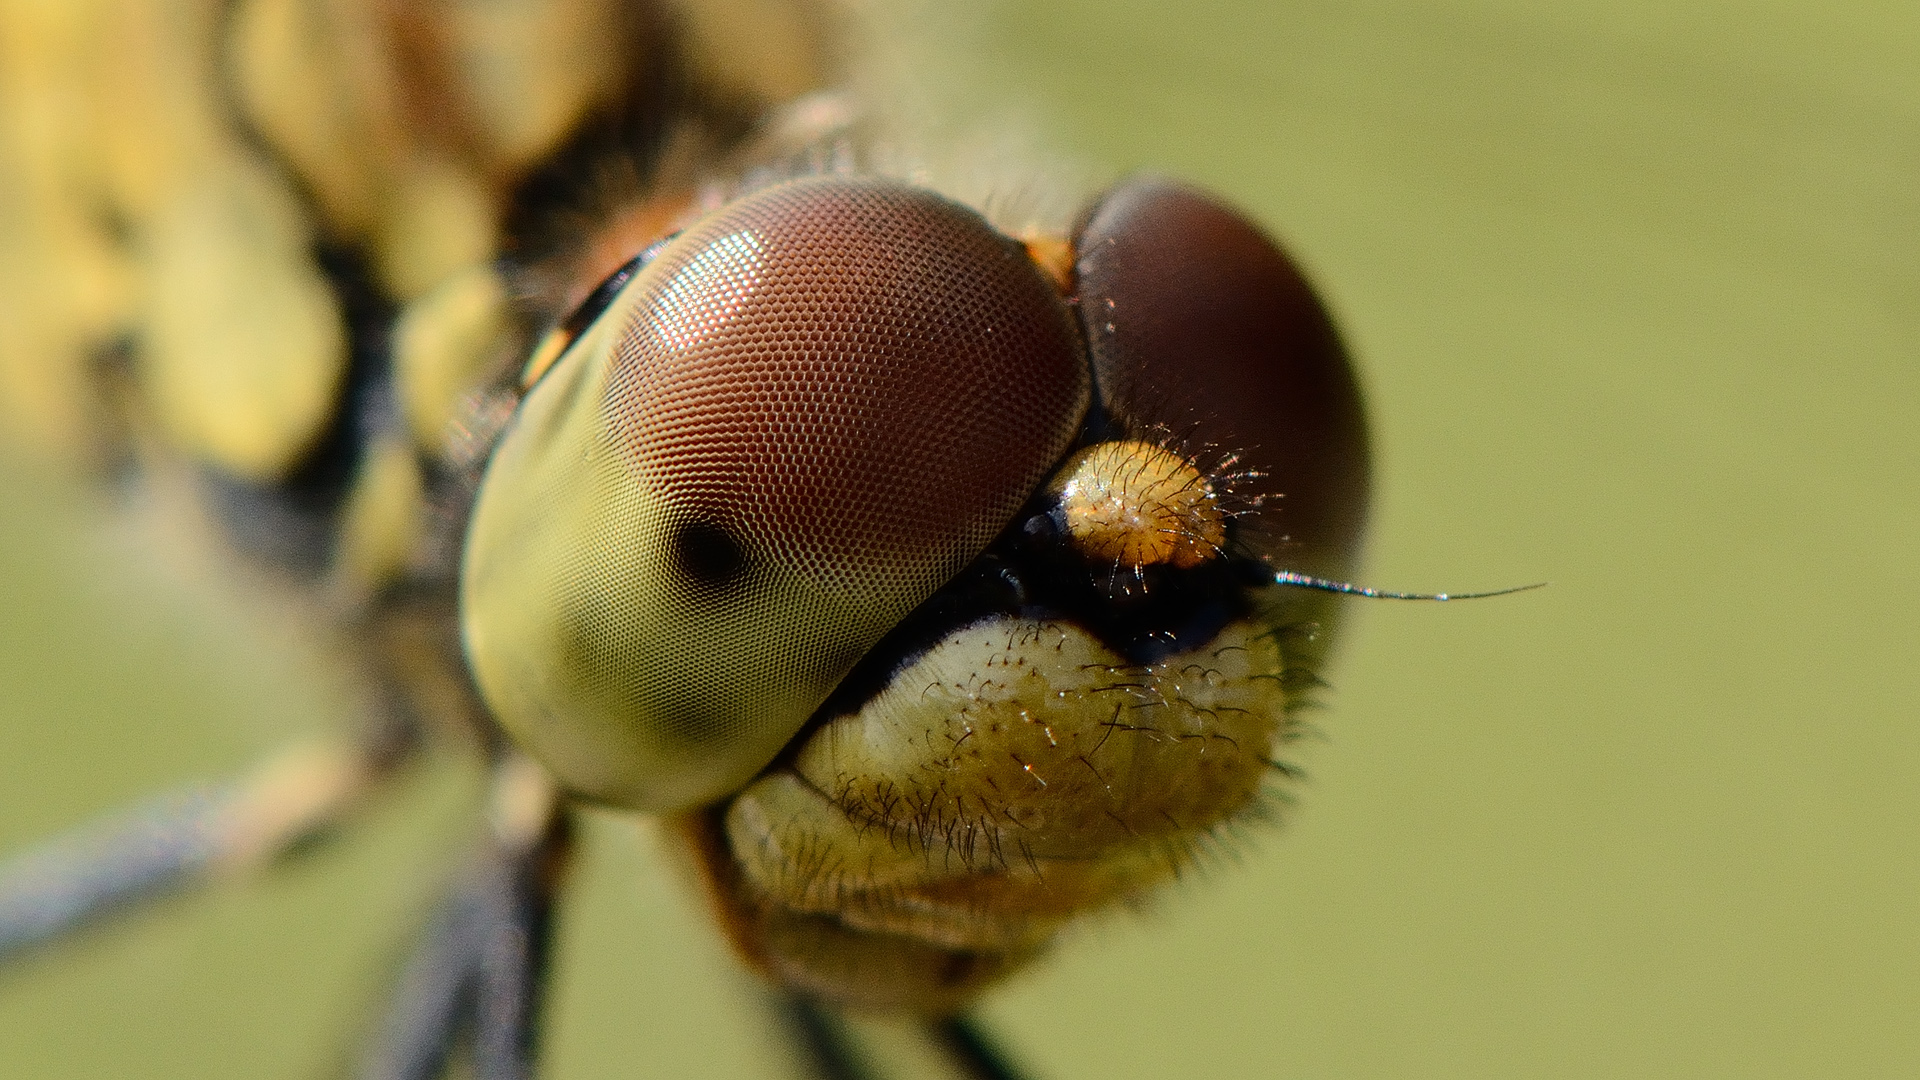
column 1135, row 504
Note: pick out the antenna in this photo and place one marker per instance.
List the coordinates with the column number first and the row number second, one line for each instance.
column 1304, row 581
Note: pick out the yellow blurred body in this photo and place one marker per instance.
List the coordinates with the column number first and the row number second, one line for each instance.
column 167, row 177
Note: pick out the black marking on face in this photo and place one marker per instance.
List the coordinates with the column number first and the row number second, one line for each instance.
column 1032, row 571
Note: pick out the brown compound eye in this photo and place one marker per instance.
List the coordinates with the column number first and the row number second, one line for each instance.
column 799, row 419
column 1198, row 324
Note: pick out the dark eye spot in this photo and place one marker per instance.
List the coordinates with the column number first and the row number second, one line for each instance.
column 707, row 554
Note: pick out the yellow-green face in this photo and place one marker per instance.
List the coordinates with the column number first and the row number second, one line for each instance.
column 948, row 581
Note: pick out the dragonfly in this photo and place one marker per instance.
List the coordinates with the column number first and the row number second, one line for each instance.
column 936, row 567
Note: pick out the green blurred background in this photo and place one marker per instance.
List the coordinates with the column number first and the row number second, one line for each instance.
column 1636, row 291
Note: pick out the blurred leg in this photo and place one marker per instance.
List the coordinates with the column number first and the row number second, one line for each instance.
column 825, row 1045
column 176, row 841
column 517, row 925
column 971, row 1053
column 479, row 970
column 433, row 997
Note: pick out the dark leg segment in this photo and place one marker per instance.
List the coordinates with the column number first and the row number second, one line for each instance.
column 516, row 936
column 479, row 971
column 970, row 1051
column 433, row 997
column 827, row 1048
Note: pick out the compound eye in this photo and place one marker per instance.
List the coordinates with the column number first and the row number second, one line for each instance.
column 1199, row 325
column 801, row 418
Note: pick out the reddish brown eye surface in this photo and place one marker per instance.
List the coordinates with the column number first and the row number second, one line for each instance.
column 860, row 378
column 794, row 425
column 1198, row 323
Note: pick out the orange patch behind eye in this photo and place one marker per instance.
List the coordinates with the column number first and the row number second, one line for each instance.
column 626, row 234
column 614, row 246
column 544, row 355
column 1054, row 256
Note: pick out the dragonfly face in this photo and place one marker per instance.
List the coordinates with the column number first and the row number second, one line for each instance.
column 934, row 590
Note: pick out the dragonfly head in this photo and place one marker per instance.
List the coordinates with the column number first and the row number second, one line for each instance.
column 804, row 441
